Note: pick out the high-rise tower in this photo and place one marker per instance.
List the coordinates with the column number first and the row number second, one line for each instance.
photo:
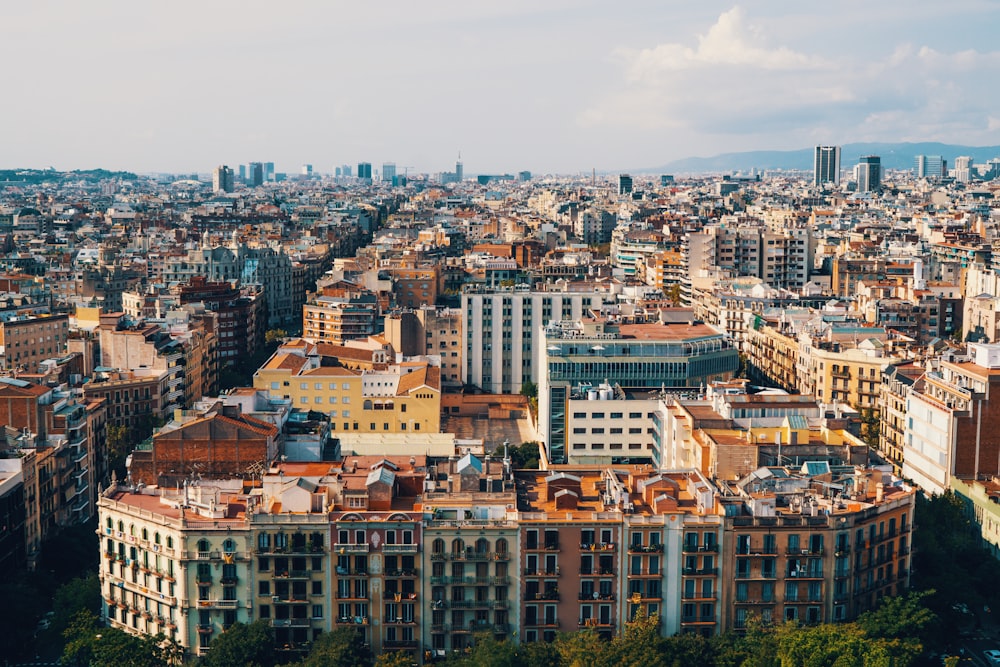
column 869, row 173
column 826, row 166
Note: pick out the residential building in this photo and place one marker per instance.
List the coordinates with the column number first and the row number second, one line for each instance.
column 26, row 341
column 951, row 424
column 403, row 397
column 222, row 179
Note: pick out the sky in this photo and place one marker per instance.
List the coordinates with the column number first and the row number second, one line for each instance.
column 549, row 86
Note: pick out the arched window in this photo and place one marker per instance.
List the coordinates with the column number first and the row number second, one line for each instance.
column 367, row 405
column 121, row 526
column 438, row 546
column 482, row 545
column 110, row 523
column 229, row 546
column 156, row 538
column 457, row 546
column 501, row 546
column 203, row 545
column 145, row 535
column 170, row 542
column 131, row 529
column 264, row 542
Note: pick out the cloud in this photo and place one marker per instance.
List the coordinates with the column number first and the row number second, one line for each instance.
column 730, row 41
column 734, row 82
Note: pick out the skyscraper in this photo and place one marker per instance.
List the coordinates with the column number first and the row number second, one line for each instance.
column 389, row 173
column 256, row 174
column 365, row 171
column 624, row 184
column 826, row 166
column 870, row 173
column 931, row 166
column 222, row 179
column 963, row 169
column 268, row 171
column 459, row 171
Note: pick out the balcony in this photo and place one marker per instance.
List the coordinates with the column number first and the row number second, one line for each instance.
column 399, row 596
column 349, row 595
column 205, row 629
column 440, row 627
column 350, row 572
column 541, row 623
column 541, row 595
column 595, row 595
column 698, row 595
column 410, row 572
column 290, row 623
column 350, row 548
column 203, row 579
column 645, row 573
column 650, row 548
column 597, row 546
column 400, row 548
column 548, row 546
column 219, row 604
column 400, row 643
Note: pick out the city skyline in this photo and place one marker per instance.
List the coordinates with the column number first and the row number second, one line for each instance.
column 558, row 88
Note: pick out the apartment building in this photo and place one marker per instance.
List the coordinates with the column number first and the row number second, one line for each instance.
column 336, row 319
column 503, row 332
column 804, row 549
column 26, row 341
column 403, row 397
column 950, row 430
column 430, row 331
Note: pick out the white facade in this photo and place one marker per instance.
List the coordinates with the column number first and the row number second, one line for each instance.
column 503, row 332
column 928, row 443
column 603, row 431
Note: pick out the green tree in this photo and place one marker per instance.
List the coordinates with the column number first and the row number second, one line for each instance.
column 118, row 447
column 529, row 389
column 522, row 457
column 343, row 647
column 80, row 594
column 583, row 648
column 871, row 426
column 394, row 659
column 242, row 645
column 274, row 336
column 90, row 645
column 674, row 294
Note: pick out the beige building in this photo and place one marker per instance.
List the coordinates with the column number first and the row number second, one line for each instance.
column 405, row 397
column 27, row 341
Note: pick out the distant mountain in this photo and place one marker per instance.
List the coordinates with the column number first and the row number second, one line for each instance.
column 894, row 156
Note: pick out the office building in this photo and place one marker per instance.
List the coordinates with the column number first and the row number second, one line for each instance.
column 255, row 174
column 459, row 171
column 500, row 353
column 869, row 173
column 307, row 170
column 673, row 352
column 931, row 167
column 826, row 165
column 963, row 169
column 222, row 179
column 365, row 171
column 624, row 184
column 389, row 173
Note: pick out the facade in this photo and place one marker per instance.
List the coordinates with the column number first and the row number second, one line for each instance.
column 869, row 173
column 397, row 398
column 27, row 341
column 676, row 353
column 951, row 423
column 222, row 179
column 826, row 165
column 804, row 550
column 336, row 319
column 500, row 353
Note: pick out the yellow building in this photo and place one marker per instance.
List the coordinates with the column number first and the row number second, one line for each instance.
column 403, row 397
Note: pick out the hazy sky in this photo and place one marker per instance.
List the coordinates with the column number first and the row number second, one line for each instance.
column 544, row 85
